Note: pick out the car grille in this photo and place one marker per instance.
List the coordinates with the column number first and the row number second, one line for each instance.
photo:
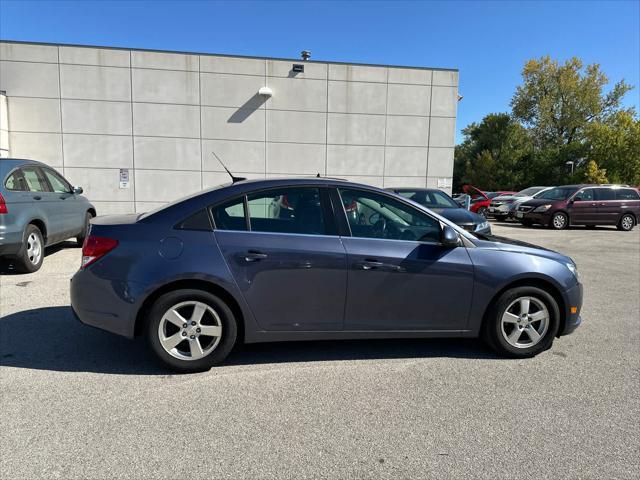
column 524, row 208
column 496, row 204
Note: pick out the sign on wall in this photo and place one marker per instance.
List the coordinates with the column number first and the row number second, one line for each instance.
column 124, row 178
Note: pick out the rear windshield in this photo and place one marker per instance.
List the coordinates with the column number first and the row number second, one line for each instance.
column 430, row 199
column 558, row 193
column 171, row 204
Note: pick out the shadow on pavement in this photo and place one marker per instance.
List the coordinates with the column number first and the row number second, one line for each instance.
column 52, row 339
column 7, row 267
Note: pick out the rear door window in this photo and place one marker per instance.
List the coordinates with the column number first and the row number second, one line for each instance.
column 35, row 180
column 627, row 194
column 296, row 210
column 605, row 194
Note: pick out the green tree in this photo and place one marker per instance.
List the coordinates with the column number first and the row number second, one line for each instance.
column 615, row 146
column 558, row 102
column 593, row 174
column 493, row 153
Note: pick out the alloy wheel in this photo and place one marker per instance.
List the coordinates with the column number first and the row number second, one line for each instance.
column 627, row 222
column 34, row 248
column 525, row 322
column 190, row 330
column 559, row 221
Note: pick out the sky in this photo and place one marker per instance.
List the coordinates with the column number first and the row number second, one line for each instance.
column 488, row 42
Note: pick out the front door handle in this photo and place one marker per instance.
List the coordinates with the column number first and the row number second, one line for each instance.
column 255, row 256
column 37, row 197
column 370, row 264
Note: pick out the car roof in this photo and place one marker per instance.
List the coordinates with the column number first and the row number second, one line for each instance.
column 412, row 189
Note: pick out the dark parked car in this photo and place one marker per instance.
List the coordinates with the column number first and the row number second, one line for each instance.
column 38, row 208
column 588, row 205
column 444, row 205
column 216, row 268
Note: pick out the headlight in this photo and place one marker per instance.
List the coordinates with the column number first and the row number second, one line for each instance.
column 574, row 269
column 481, row 226
column 542, row 208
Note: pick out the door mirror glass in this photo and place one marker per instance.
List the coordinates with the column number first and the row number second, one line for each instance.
column 450, row 237
column 78, row 190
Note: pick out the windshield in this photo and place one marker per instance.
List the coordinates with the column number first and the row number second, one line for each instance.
column 528, row 192
column 430, row 199
column 558, row 193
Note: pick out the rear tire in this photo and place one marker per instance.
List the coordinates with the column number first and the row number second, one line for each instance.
column 626, row 223
column 559, row 221
column 31, row 255
column 520, row 333
column 87, row 219
column 482, row 211
column 204, row 339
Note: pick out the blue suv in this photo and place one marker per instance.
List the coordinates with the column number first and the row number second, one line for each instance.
column 38, row 208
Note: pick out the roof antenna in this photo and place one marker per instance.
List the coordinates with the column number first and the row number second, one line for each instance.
column 233, row 179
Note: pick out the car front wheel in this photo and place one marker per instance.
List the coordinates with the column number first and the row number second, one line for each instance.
column 559, row 221
column 522, row 322
column 83, row 234
column 191, row 330
column 482, row 211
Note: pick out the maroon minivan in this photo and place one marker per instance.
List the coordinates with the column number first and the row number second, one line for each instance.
column 588, row 205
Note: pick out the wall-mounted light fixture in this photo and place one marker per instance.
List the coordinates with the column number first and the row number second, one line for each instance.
column 297, row 67
column 265, row 91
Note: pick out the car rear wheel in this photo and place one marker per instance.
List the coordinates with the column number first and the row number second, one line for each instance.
column 626, row 223
column 87, row 219
column 191, row 330
column 482, row 211
column 31, row 254
column 559, row 221
column 522, row 322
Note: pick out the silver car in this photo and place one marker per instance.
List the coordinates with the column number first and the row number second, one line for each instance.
column 38, row 208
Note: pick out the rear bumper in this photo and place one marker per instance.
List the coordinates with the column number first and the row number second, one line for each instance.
column 109, row 305
column 574, row 300
column 10, row 241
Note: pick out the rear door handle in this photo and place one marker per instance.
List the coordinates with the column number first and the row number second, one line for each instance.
column 255, row 256
column 37, row 197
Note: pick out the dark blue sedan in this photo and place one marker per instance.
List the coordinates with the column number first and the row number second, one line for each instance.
column 346, row 261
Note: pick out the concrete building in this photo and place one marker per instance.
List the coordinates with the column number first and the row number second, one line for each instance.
column 136, row 128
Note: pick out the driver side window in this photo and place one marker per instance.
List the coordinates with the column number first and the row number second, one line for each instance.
column 372, row 215
column 585, row 195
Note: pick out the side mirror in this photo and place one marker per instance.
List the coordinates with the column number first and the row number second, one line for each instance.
column 450, row 237
column 77, row 190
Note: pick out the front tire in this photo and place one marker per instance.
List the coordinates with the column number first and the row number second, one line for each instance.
column 191, row 330
column 522, row 322
column 87, row 220
column 482, row 211
column 31, row 254
column 559, row 221
column 626, row 223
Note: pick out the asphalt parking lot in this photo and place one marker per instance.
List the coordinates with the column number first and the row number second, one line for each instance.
column 81, row 403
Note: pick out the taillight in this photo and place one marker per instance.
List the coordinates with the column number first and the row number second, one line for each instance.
column 3, row 205
column 94, row 248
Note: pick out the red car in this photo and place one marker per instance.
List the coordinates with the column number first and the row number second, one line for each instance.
column 480, row 200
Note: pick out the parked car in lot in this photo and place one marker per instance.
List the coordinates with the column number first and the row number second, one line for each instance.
column 38, row 208
column 504, row 206
column 441, row 203
column 480, row 200
column 588, row 205
column 204, row 272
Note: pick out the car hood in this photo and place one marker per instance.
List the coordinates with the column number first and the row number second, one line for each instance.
column 510, row 245
column 504, row 198
column 459, row 216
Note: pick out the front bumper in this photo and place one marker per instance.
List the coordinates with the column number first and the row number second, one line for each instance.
column 573, row 297
column 499, row 211
column 540, row 218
